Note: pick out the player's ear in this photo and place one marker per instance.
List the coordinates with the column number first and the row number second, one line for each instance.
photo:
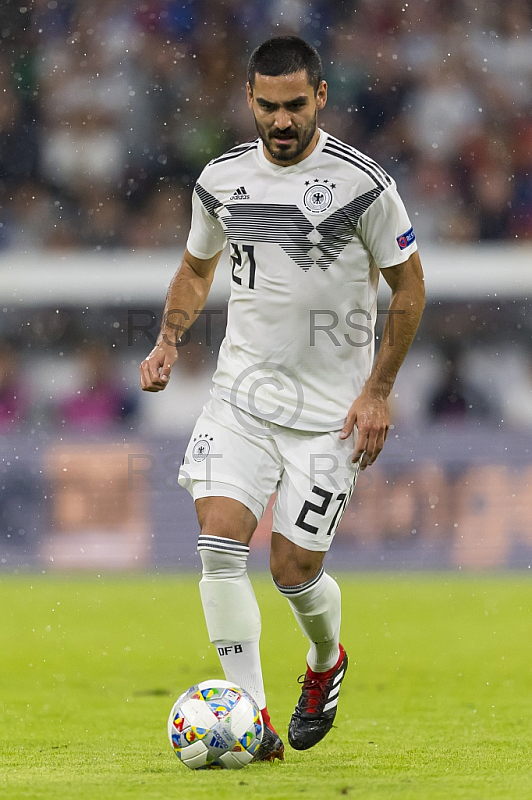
column 249, row 91
column 321, row 95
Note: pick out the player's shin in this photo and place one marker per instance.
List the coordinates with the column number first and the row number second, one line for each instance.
column 317, row 607
column 231, row 612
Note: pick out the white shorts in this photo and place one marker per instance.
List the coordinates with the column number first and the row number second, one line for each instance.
column 232, row 453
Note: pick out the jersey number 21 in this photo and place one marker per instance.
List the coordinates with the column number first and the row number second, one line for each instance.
column 239, row 262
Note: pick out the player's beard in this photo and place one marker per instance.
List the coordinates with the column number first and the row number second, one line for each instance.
column 301, row 138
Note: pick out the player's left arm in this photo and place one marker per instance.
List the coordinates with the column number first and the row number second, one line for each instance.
column 370, row 412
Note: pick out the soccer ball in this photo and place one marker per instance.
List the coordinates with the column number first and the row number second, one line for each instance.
column 215, row 725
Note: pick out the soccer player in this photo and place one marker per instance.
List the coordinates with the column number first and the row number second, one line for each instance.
column 298, row 404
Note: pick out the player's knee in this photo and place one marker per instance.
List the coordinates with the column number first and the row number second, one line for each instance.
column 293, row 574
column 219, row 529
column 225, row 517
column 217, row 525
column 292, row 565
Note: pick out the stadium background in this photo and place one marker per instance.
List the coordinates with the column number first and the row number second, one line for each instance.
column 108, row 112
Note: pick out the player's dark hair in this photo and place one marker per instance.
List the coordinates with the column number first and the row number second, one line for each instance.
column 285, row 55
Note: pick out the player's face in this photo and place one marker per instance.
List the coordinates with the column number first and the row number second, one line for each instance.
column 286, row 108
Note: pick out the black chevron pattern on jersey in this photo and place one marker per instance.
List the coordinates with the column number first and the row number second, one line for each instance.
column 340, row 227
column 286, row 226
column 210, row 203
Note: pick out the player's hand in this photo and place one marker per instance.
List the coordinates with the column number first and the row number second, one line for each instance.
column 155, row 369
column 371, row 415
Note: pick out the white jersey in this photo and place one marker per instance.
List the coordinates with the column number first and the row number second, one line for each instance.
column 306, row 244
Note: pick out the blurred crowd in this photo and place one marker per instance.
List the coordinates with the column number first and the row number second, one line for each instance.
column 109, row 109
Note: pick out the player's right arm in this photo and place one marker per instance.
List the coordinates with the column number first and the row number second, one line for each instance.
column 185, row 299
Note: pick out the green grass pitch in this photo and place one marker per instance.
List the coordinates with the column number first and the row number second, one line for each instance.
column 436, row 704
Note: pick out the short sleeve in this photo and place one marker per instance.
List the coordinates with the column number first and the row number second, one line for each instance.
column 207, row 236
column 387, row 231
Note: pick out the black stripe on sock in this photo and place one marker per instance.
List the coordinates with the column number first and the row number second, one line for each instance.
column 222, row 549
column 203, row 537
column 288, row 591
column 222, row 543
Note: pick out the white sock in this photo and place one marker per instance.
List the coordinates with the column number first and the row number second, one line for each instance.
column 317, row 607
column 241, row 665
column 231, row 612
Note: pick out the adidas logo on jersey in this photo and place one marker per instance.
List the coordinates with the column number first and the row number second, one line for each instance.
column 240, row 194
